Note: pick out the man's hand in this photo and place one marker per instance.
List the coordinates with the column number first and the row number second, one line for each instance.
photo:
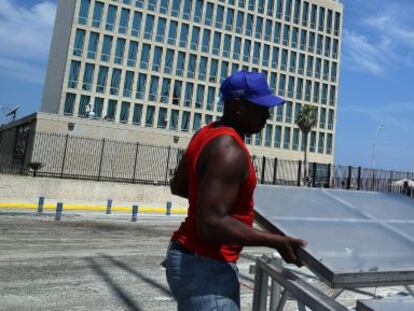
column 288, row 247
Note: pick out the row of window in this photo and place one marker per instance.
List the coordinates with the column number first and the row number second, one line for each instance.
column 209, row 14
column 178, row 34
column 186, row 121
column 125, row 83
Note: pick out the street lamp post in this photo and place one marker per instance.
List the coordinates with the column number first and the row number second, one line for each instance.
column 380, row 127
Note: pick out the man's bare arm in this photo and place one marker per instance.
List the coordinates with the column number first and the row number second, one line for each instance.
column 179, row 183
column 222, row 171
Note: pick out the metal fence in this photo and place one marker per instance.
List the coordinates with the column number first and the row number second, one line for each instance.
column 66, row 156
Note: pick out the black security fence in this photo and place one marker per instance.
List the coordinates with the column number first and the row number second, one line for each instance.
column 65, row 156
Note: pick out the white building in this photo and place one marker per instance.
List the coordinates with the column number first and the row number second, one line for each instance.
column 151, row 70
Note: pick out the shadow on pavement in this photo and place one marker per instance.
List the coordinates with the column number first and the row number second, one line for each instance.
column 139, row 275
column 132, row 305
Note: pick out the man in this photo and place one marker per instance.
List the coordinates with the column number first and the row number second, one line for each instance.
column 217, row 176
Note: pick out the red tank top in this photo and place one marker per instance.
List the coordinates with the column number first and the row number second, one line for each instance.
column 242, row 209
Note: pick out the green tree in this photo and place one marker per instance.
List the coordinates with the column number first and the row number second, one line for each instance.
column 306, row 120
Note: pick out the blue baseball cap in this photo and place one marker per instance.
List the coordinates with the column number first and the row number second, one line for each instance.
column 251, row 86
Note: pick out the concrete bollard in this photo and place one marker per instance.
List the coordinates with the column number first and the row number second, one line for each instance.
column 59, row 210
column 109, row 207
column 168, row 209
column 40, row 205
column 134, row 213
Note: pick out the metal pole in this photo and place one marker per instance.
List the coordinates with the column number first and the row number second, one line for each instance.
column 359, row 178
column 329, row 175
column 275, row 171
column 59, row 210
column 168, row 209
column 134, row 213
column 101, row 160
column 314, row 174
column 168, row 165
column 263, row 169
column 348, row 182
column 40, row 205
column 109, row 207
column 25, row 151
column 64, row 156
column 299, row 172
column 260, row 289
column 135, row 164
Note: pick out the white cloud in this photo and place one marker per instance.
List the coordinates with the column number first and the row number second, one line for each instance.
column 25, row 35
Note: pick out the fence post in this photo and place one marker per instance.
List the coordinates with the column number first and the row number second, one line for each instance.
column 100, row 161
column 64, row 156
column 314, row 174
column 135, row 164
column 329, row 175
column 275, row 171
column 167, row 166
column 59, row 210
column 348, row 182
column 390, row 182
column 299, row 172
column 263, row 169
column 40, row 206
column 134, row 213
column 168, row 209
column 25, row 151
column 359, row 178
column 109, row 206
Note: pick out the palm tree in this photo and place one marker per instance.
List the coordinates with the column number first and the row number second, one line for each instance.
column 306, row 120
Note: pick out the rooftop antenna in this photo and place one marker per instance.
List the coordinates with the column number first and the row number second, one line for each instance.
column 10, row 113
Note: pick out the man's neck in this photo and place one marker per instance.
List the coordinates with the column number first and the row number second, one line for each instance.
column 230, row 123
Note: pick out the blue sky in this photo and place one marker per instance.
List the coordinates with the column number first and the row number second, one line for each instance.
column 376, row 81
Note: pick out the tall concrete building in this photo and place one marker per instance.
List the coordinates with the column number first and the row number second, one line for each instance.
column 151, row 70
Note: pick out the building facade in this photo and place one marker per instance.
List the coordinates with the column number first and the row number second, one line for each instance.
column 154, row 67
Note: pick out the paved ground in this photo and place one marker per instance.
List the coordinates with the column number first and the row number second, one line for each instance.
column 93, row 261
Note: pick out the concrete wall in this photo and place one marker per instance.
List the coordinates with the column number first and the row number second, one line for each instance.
column 19, row 188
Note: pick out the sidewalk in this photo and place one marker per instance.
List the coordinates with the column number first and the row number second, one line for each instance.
column 85, row 205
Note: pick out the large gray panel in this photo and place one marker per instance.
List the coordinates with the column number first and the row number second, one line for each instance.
column 386, row 305
column 355, row 238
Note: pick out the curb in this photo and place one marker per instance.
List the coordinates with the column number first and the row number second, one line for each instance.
column 97, row 208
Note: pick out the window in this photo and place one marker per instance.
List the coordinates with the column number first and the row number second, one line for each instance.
column 136, row 24
column 295, row 35
column 258, row 139
column 209, row 14
column 291, row 87
column 177, row 92
column 161, row 29
column 149, row 117
column 211, row 98
column 337, row 25
column 188, row 96
column 123, row 118
column 115, row 81
column 321, row 142
column 315, row 92
column 322, row 118
column 319, row 45
column 213, row 70
column 332, row 95
column 311, row 46
column 318, row 67
column 164, row 6
column 288, row 9
column 98, row 107
column 129, row 80
column 169, row 60
column 79, row 40
column 335, row 49
column 74, row 74
column 282, row 85
column 249, row 25
column 141, row 83
column 296, row 11
column 299, row 89
column 286, row 140
column 333, row 72
column 324, row 93
column 202, row 68
column 208, row 119
column 295, row 142
column 88, row 77
column 145, row 56
column 216, row 43
column 308, row 89
column 268, row 135
column 206, row 41
column 292, row 64
column 185, row 121
column 119, row 52
column 84, row 12
column 301, row 67
column 286, row 35
column 246, row 51
column 174, row 119
column 227, row 45
column 102, row 79
column 175, row 11
column 153, row 91
column 272, row 84
column 180, row 64
column 111, row 110
column 110, row 18
column 191, row 69
column 256, row 53
column 136, row 118
column 219, row 16
column 165, row 90
column 329, row 21
column 313, row 16
column 152, row 5
column 283, row 63
column 195, row 37
column 156, row 60
column 275, row 57
column 93, row 45
column 279, row 113
column 329, row 144
column 69, row 104
column 149, row 26
column 305, row 13
column 309, row 68
column 224, row 70
column 198, row 12
column 239, row 22
column 172, row 33
column 132, row 54
column 184, row 35
column 312, row 142
column 229, row 19
column 197, row 122
column 321, row 18
column 270, row 7
column 97, row 14
column 298, row 109
column 187, row 9
column 266, row 55
column 162, row 118
column 106, row 49
column 288, row 112
column 268, row 30
column 200, row 97
column 84, row 102
column 123, row 24
column 303, row 37
column 279, row 9
column 277, row 136
column 330, row 119
column 259, row 27
column 237, row 48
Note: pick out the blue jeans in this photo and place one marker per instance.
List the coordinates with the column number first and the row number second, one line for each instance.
column 201, row 283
